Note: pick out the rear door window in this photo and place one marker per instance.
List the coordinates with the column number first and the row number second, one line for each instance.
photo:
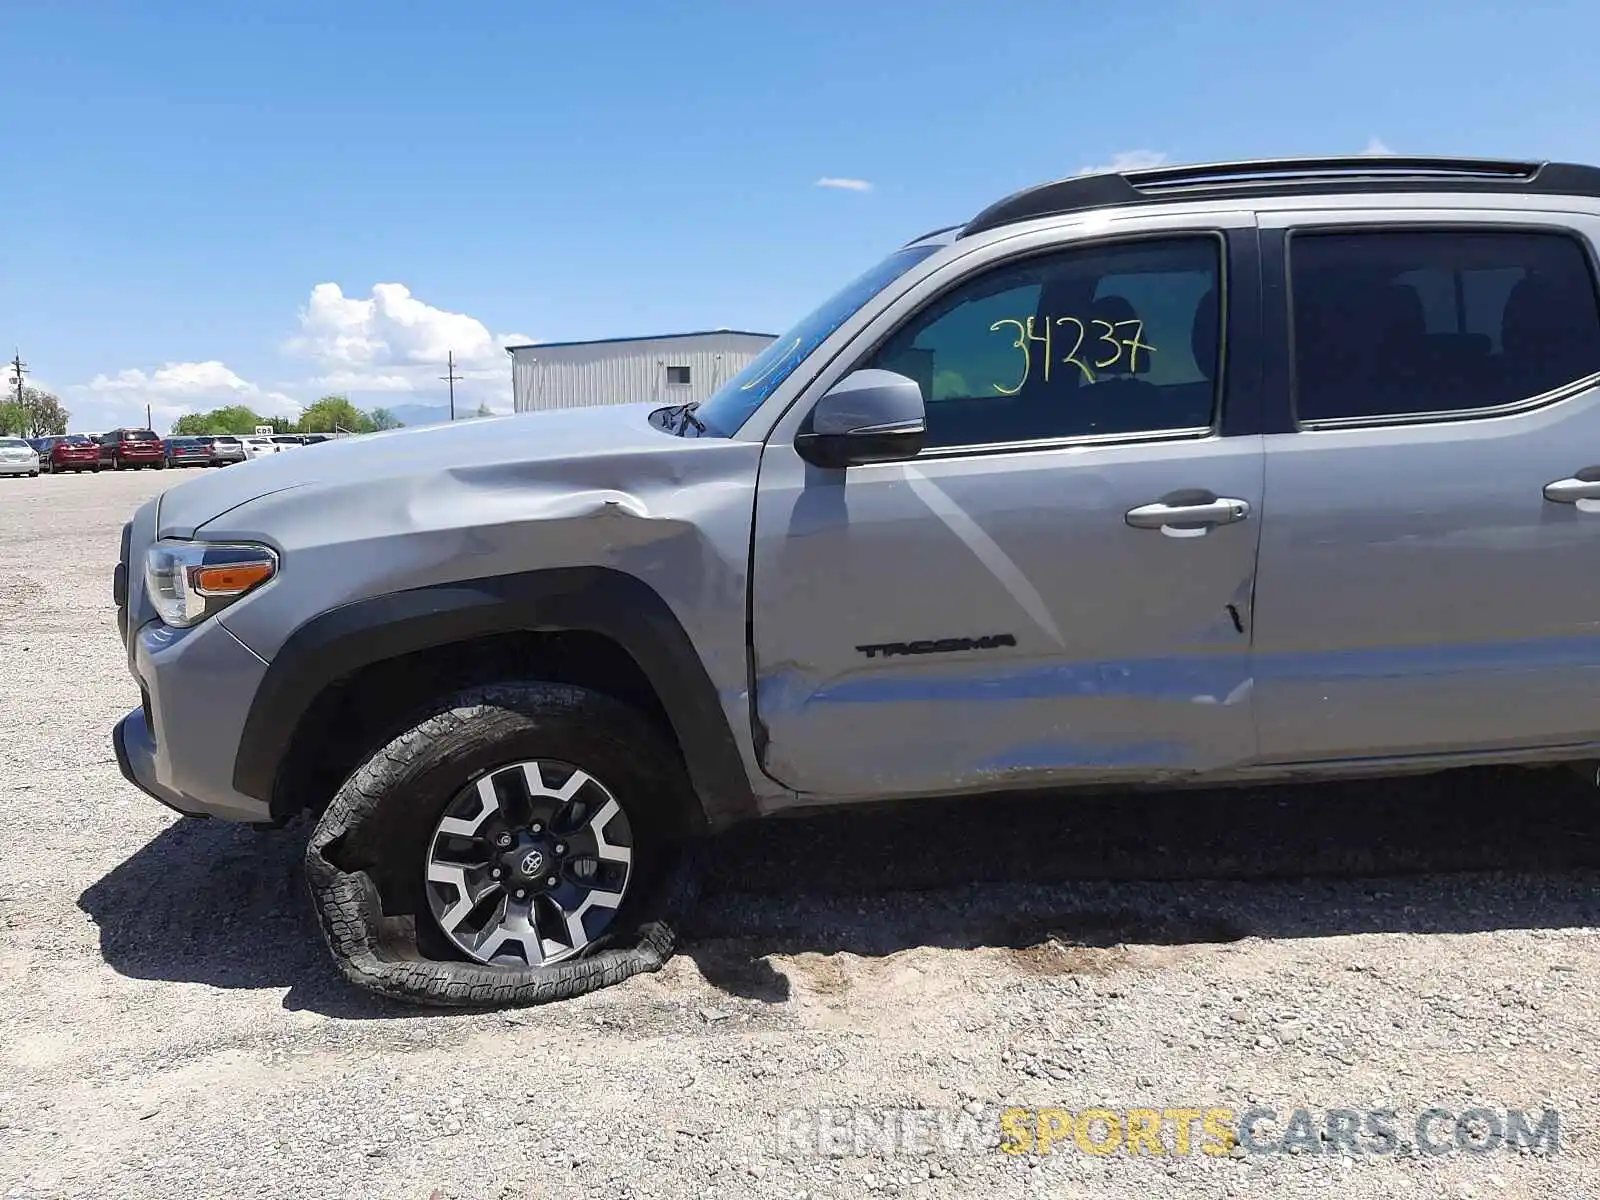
column 1415, row 322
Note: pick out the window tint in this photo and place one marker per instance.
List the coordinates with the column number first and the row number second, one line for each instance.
column 1113, row 339
column 1436, row 321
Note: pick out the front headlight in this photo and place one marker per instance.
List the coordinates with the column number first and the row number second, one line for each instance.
column 189, row 581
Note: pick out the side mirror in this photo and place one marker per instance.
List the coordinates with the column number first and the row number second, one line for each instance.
column 868, row 416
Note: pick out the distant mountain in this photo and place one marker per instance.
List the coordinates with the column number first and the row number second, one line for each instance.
column 423, row 414
column 430, row 414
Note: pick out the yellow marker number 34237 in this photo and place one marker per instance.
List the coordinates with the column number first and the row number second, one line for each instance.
column 1110, row 341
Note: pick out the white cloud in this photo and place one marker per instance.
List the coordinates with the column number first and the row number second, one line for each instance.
column 382, row 349
column 392, row 342
column 843, row 184
column 359, row 381
column 107, row 401
column 390, row 327
column 1376, row 145
column 1127, row 160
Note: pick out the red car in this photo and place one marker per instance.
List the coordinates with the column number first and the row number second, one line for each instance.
column 132, row 448
column 69, row 452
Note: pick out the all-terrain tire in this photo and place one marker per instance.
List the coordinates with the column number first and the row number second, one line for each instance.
column 366, row 856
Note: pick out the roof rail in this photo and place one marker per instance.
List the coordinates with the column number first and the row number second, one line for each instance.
column 1278, row 176
column 922, row 237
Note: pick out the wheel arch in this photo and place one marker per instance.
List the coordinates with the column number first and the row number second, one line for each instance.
column 594, row 626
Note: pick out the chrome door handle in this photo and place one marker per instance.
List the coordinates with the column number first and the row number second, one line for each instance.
column 1189, row 519
column 1585, row 485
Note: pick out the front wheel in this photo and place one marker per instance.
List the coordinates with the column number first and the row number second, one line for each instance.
column 518, row 844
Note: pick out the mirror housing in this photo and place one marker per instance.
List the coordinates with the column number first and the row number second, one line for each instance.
column 868, row 416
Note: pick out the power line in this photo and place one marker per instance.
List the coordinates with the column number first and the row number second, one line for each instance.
column 451, row 377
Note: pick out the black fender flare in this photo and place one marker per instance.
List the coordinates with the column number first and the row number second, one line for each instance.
column 599, row 600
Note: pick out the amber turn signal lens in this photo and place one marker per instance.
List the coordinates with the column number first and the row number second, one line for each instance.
column 231, row 579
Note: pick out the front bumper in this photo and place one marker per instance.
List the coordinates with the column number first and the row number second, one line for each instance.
column 179, row 745
column 136, row 756
column 196, row 686
column 21, row 466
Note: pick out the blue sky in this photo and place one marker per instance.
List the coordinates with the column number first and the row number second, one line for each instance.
column 264, row 201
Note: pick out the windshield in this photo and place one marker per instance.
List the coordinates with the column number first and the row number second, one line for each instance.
column 730, row 405
column 14, row 444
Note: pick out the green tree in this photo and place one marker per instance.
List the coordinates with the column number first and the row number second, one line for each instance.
column 43, row 413
column 13, row 419
column 382, row 418
column 233, row 418
column 334, row 411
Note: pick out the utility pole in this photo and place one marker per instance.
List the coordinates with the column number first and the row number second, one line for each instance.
column 19, row 367
column 450, row 377
column 147, row 414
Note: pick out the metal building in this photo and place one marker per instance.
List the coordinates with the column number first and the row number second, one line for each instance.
column 668, row 369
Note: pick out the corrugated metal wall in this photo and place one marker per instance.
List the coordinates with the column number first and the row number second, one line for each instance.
column 627, row 372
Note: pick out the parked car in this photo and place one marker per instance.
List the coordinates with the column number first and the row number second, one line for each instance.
column 17, row 457
column 187, row 451
column 226, row 448
column 122, row 448
column 68, row 452
column 1191, row 475
column 287, row 440
column 259, row 446
column 315, row 439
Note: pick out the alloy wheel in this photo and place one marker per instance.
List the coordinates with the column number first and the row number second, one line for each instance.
column 529, row 864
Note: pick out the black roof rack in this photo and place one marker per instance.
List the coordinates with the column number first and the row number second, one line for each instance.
column 1279, row 176
column 922, row 237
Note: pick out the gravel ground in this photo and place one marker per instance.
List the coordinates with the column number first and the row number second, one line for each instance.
column 170, row 1025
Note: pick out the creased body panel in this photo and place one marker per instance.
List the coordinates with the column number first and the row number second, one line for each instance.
column 672, row 513
column 1091, row 650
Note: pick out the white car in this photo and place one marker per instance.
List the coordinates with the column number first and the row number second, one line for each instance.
column 17, row 457
column 258, row 447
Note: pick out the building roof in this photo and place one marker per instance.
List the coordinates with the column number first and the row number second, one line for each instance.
column 656, row 337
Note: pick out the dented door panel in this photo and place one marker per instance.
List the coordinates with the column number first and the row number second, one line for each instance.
column 969, row 623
